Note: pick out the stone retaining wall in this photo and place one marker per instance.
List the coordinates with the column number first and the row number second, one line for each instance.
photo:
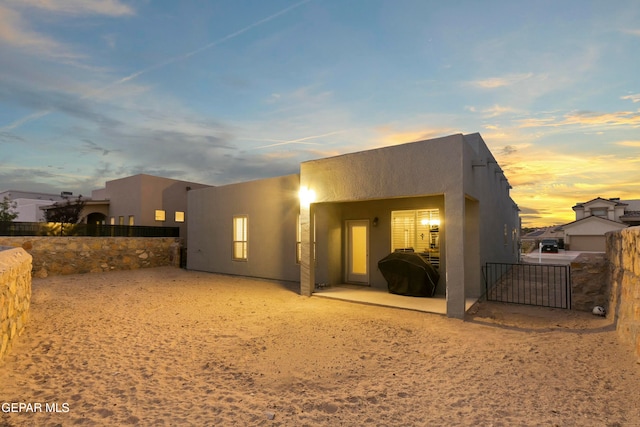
column 15, row 295
column 623, row 252
column 589, row 281
column 73, row 255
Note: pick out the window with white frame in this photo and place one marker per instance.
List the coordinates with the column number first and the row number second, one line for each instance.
column 240, row 239
column 416, row 231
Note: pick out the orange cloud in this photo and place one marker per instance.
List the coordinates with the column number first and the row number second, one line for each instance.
column 546, row 184
column 391, row 137
column 628, row 143
column 593, row 118
column 496, row 82
column 589, row 118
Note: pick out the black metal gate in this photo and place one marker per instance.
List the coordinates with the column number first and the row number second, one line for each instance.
column 546, row 285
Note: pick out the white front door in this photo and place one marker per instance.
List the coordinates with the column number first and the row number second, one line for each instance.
column 357, row 251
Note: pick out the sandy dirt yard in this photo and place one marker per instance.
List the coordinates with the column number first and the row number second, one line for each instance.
column 168, row 347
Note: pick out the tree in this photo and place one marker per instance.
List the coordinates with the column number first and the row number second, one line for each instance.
column 67, row 212
column 8, row 210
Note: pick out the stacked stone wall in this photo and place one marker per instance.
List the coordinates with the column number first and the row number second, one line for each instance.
column 589, row 281
column 623, row 253
column 74, row 255
column 15, row 295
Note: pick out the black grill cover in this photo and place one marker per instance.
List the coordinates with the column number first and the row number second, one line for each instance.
column 407, row 273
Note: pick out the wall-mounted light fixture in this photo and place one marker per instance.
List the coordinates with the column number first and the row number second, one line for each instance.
column 307, row 196
column 375, row 221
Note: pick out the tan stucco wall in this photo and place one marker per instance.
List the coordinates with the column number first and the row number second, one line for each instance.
column 414, row 169
column 593, row 226
column 271, row 206
column 479, row 220
column 477, row 205
column 91, row 209
column 141, row 195
column 74, row 255
column 588, row 234
column 15, row 296
column 623, row 253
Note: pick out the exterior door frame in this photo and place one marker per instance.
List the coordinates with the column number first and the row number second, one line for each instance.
column 350, row 275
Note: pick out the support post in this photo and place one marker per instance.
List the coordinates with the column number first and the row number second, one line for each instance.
column 454, row 208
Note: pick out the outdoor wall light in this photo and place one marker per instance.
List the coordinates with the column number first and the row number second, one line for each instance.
column 307, row 196
column 375, row 221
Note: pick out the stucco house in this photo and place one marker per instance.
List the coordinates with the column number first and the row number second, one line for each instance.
column 446, row 198
column 29, row 203
column 141, row 200
column 597, row 217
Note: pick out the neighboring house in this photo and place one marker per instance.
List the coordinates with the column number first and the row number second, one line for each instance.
column 135, row 200
column 141, row 200
column 29, row 203
column 597, row 217
column 446, row 198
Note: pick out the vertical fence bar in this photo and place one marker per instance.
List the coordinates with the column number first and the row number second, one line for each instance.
column 532, row 284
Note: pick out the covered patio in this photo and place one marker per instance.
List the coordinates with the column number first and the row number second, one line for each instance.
column 381, row 297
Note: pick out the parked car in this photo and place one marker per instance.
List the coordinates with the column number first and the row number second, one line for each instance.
column 550, row 245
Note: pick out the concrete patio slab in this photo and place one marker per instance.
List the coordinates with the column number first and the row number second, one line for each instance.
column 381, row 297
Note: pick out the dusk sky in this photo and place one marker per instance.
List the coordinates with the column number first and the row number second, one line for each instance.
column 224, row 91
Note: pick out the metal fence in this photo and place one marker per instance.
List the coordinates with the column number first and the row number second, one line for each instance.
column 544, row 285
column 90, row 230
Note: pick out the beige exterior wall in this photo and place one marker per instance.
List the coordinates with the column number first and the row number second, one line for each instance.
column 613, row 212
column 28, row 210
column 459, row 170
column 28, row 204
column 141, row 195
column 456, row 174
column 588, row 234
column 271, row 207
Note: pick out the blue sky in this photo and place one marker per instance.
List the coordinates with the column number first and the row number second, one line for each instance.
column 223, row 91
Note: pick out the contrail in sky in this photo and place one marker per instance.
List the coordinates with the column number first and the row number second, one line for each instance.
column 37, row 115
column 31, row 117
column 208, row 46
column 298, row 141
